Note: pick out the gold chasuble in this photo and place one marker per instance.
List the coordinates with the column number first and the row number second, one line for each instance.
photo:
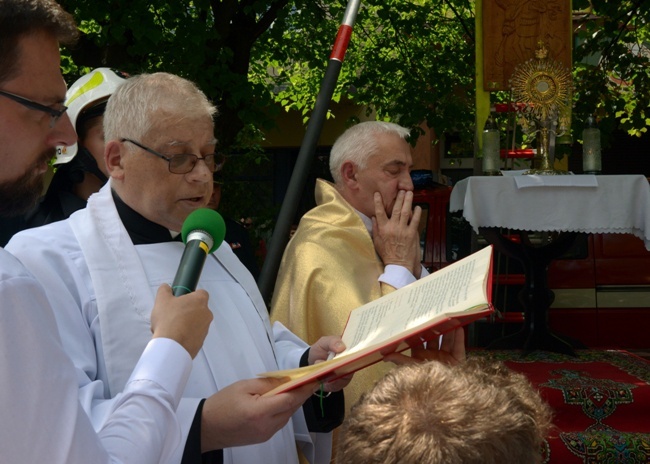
column 329, row 268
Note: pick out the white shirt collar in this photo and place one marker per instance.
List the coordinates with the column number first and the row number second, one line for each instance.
column 366, row 221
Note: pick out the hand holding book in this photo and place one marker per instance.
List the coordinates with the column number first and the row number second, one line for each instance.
column 450, row 350
column 326, row 348
column 441, row 302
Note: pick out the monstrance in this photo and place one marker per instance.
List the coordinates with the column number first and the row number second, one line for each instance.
column 545, row 88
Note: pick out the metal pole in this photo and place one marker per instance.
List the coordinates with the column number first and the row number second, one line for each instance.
column 268, row 274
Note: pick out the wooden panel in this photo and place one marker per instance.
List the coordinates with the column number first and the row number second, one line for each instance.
column 511, row 30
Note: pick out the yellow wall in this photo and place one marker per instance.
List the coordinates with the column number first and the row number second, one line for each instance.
column 290, row 132
column 290, row 129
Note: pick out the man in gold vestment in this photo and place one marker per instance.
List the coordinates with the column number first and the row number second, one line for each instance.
column 360, row 242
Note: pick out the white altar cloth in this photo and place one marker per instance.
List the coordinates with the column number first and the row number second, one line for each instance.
column 617, row 204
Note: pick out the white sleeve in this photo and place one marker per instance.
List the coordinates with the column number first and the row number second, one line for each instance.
column 142, row 425
column 316, row 447
column 399, row 276
column 42, row 419
column 288, row 346
column 63, row 274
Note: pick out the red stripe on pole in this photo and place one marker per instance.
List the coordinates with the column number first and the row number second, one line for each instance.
column 341, row 42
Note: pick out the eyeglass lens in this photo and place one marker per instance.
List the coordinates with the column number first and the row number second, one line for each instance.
column 184, row 163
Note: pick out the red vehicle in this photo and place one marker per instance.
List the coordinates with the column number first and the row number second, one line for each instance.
column 601, row 286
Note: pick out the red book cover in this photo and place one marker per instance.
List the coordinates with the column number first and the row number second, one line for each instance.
column 418, row 313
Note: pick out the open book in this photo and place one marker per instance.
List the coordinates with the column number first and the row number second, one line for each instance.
column 451, row 297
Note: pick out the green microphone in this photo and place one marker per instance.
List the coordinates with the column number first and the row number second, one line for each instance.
column 203, row 232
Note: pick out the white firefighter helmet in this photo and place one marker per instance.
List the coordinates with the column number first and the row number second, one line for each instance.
column 88, row 91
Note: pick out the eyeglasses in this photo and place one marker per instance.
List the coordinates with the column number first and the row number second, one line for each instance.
column 32, row 105
column 184, row 163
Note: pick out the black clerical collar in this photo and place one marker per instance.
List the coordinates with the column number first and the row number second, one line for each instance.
column 141, row 230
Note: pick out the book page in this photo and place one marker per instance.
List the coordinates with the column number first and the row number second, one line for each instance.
column 458, row 292
column 451, row 290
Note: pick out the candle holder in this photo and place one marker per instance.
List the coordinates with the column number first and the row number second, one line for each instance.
column 591, row 158
column 491, row 148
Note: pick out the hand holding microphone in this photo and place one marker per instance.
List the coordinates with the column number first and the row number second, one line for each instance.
column 187, row 319
column 203, row 232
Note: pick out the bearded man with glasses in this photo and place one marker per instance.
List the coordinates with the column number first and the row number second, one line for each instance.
column 101, row 266
column 26, row 189
column 30, row 123
column 43, row 419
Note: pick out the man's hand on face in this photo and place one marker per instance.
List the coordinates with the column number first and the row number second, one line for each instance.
column 396, row 239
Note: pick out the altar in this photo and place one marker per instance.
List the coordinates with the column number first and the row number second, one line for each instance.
column 561, row 205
